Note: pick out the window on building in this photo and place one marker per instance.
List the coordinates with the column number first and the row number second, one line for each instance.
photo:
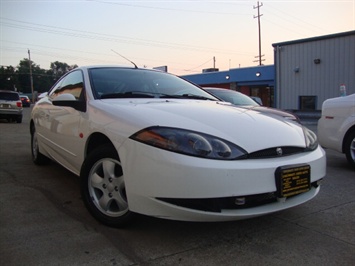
column 307, row 103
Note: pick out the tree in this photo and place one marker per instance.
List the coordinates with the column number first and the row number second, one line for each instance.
column 8, row 78
column 18, row 78
column 24, row 78
column 60, row 68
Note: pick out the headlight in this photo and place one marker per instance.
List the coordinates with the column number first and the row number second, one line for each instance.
column 311, row 139
column 190, row 143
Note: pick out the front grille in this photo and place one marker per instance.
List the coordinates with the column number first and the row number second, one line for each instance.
column 218, row 204
column 228, row 203
column 275, row 152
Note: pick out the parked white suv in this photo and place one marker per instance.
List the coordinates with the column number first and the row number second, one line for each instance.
column 336, row 127
column 10, row 106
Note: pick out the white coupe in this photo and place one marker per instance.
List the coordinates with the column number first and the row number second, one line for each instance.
column 336, row 127
column 148, row 142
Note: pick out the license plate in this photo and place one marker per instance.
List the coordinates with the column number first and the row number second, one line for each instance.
column 5, row 105
column 292, row 180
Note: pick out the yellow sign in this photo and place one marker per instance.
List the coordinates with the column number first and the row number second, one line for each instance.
column 291, row 181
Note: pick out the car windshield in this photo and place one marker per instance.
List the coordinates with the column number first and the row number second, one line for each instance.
column 233, row 97
column 114, row 82
column 9, row 96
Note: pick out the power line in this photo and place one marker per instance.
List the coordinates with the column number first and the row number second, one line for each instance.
column 40, row 51
column 172, row 9
column 111, row 38
column 198, row 65
column 291, row 18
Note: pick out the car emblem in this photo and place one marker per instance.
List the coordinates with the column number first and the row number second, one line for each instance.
column 279, row 151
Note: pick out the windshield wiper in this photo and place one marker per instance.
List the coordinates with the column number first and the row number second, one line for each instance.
column 142, row 94
column 129, row 94
column 186, row 96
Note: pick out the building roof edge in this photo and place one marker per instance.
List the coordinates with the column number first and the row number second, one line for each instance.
column 324, row 37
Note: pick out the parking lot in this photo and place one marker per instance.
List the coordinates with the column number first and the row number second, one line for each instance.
column 43, row 221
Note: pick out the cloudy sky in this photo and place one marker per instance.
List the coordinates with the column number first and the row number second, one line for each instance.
column 184, row 35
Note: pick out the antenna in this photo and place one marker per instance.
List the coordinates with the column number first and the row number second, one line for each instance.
column 135, row 66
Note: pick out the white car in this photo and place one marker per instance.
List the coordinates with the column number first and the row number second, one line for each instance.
column 148, row 142
column 336, row 127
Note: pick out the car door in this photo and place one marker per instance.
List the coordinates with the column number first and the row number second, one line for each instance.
column 63, row 123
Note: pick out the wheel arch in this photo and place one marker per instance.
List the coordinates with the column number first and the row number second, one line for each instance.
column 95, row 140
column 350, row 130
column 32, row 126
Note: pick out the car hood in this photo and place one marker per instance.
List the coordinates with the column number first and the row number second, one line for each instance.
column 250, row 129
column 345, row 102
column 273, row 112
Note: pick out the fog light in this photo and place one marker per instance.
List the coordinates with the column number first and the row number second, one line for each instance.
column 283, row 200
column 239, row 201
column 319, row 182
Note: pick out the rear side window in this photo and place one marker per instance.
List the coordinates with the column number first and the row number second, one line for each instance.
column 9, row 96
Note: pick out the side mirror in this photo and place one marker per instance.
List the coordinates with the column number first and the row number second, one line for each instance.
column 68, row 100
column 65, row 97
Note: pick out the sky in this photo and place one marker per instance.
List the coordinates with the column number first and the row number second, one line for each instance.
column 184, row 35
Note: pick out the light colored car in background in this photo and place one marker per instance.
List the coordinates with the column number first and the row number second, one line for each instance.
column 336, row 127
column 42, row 94
column 148, row 142
column 10, row 106
column 242, row 100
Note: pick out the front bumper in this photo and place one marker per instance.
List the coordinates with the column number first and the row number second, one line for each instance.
column 6, row 114
column 153, row 175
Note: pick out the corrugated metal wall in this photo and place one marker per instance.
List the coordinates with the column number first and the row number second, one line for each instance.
column 297, row 74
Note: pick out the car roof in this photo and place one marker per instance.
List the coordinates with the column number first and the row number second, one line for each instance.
column 115, row 66
column 219, row 89
column 87, row 68
column 222, row 89
column 215, row 88
column 8, row 91
column 105, row 66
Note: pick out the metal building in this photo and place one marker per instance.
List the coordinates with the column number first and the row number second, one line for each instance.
column 305, row 73
column 309, row 71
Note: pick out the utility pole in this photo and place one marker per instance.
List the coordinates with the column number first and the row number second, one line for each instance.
column 31, row 78
column 258, row 16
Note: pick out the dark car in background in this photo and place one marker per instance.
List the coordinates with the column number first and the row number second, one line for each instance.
column 10, row 106
column 244, row 101
column 26, row 102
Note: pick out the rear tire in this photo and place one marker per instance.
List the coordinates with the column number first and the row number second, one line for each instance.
column 103, row 188
column 349, row 148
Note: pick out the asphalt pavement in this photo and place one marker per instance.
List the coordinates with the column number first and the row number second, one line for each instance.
column 44, row 222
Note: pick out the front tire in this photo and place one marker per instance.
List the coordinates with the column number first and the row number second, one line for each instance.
column 37, row 157
column 349, row 148
column 103, row 188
